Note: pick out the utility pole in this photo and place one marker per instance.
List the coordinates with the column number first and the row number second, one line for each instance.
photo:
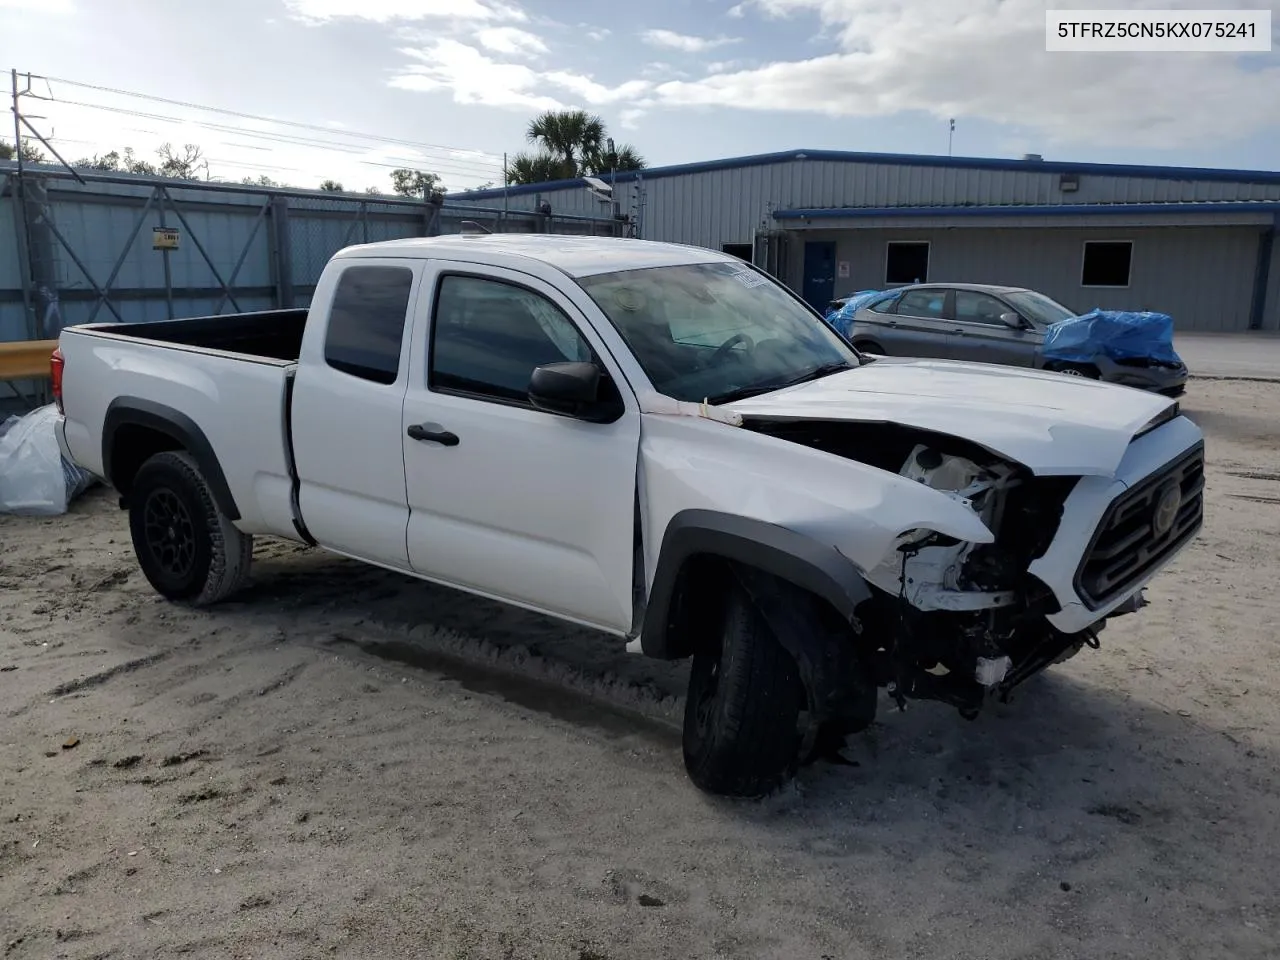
column 951, row 133
column 506, row 182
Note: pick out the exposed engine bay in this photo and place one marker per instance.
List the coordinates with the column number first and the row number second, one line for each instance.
column 956, row 621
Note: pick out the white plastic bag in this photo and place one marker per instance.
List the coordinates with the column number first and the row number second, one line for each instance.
column 34, row 479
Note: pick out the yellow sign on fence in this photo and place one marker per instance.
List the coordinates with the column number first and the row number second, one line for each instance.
column 164, row 238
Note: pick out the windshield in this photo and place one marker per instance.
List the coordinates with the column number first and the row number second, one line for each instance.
column 716, row 331
column 1039, row 309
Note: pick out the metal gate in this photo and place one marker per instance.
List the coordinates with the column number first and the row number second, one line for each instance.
column 91, row 247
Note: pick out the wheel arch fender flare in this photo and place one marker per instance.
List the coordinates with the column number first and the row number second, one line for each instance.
column 806, row 563
column 178, row 427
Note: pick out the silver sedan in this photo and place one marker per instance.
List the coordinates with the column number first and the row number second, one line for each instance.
column 989, row 324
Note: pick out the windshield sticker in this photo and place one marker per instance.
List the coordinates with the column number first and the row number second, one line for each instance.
column 749, row 279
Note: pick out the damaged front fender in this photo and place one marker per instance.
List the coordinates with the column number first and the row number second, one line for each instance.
column 857, row 510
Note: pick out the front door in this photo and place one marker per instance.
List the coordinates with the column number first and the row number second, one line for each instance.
column 981, row 336
column 507, row 501
column 819, row 274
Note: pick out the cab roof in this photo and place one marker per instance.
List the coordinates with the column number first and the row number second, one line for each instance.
column 574, row 255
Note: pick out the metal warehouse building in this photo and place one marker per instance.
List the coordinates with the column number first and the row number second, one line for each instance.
column 1196, row 243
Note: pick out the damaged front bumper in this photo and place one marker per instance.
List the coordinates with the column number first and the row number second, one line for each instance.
column 1144, row 375
column 1130, row 526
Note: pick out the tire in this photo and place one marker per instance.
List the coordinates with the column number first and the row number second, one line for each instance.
column 870, row 346
column 1079, row 370
column 187, row 548
column 741, row 734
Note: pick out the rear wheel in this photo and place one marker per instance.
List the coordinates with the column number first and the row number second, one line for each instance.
column 187, row 548
column 741, row 734
column 869, row 346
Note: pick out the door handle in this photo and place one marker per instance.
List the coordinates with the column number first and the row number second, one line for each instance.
column 420, row 431
column 959, row 331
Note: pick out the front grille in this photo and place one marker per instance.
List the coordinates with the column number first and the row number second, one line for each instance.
column 1132, row 538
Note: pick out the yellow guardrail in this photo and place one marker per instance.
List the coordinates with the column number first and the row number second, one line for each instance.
column 26, row 359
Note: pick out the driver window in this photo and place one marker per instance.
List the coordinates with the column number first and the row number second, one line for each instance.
column 979, row 308
column 487, row 336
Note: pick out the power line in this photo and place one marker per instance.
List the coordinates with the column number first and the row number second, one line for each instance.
column 255, row 117
column 454, row 166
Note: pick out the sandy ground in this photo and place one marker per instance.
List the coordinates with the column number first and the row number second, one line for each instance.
column 350, row 764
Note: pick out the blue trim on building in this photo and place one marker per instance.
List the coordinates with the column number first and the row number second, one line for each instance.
column 1032, row 210
column 1200, row 174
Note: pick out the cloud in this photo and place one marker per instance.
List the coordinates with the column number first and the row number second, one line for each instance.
column 472, row 77
column 661, row 70
column 37, row 6
column 475, row 78
column 512, row 41
column 387, row 11
column 986, row 59
column 629, row 119
column 598, row 34
column 683, row 42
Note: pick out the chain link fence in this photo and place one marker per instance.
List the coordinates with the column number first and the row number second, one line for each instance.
column 90, row 247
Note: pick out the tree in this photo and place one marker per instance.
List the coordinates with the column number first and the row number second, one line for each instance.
column 181, row 165
column 331, row 186
column 618, row 160
column 483, row 186
column 570, row 144
column 414, row 183
column 30, row 152
column 262, row 181
column 373, row 191
column 569, row 136
column 116, row 161
column 536, row 168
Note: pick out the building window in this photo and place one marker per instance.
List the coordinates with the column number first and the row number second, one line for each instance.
column 1106, row 263
column 906, row 261
column 740, row 250
column 366, row 322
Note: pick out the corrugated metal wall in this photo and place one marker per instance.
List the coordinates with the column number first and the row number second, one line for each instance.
column 1201, row 276
column 711, row 208
column 268, row 246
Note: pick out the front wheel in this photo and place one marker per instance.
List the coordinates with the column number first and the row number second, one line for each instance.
column 1078, row 370
column 741, row 734
column 187, row 548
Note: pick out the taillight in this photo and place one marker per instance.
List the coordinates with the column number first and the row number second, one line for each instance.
column 56, row 365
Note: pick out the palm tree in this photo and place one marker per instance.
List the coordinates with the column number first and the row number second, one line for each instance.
column 537, row 168
column 571, row 144
column 567, row 135
column 622, row 158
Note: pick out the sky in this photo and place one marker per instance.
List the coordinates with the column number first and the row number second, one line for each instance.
column 350, row 89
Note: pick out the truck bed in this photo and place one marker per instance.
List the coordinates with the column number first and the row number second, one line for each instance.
column 201, row 382
column 270, row 334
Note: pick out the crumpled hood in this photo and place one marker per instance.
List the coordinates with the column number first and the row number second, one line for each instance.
column 1051, row 423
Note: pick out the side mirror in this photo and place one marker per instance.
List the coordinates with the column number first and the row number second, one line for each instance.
column 572, row 389
column 1012, row 320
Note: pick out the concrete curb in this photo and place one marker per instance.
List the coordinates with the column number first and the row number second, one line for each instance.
column 1229, row 376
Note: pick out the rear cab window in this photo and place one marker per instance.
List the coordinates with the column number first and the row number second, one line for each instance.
column 367, row 318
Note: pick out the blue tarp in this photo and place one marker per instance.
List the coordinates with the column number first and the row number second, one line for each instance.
column 842, row 320
column 1117, row 334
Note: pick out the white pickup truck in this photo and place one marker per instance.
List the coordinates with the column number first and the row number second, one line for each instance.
column 660, row 442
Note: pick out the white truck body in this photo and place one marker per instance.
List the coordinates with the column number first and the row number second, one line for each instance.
column 569, row 516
